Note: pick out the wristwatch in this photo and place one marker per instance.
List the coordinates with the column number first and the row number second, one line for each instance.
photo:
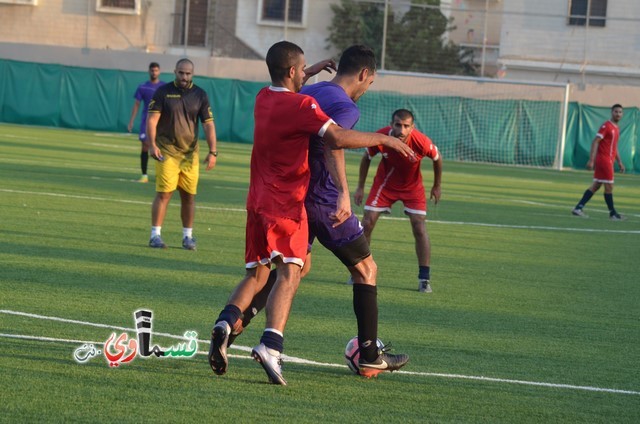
column 211, row 152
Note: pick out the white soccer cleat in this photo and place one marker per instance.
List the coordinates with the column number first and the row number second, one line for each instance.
column 272, row 364
column 424, row 286
column 579, row 212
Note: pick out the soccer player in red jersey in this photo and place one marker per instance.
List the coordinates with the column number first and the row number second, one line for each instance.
column 399, row 179
column 277, row 229
column 604, row 151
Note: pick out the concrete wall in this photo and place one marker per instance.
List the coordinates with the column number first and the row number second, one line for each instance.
column 76, row 23
column 537, row 42
column 311, row 35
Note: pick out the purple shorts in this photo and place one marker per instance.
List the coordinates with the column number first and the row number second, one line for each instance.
column 320, row 227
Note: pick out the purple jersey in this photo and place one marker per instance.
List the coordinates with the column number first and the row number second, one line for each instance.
column 334, row 102
column 322, row 196
column 144, row 94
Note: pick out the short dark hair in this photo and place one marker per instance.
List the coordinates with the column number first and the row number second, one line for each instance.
column 280, row 58
column 616, row 105
column 403, row 114
column 154, row 65
column 356, row 58
column 184, row 60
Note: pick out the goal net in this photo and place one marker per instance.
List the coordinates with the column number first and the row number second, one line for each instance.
column 475, row 119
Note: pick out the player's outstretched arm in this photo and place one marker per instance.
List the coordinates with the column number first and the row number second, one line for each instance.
column 337, row 137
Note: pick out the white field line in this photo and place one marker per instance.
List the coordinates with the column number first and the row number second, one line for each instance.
column 295, row 360
column 478, row 224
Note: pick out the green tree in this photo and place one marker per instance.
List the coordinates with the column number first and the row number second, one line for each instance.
column 415, row 39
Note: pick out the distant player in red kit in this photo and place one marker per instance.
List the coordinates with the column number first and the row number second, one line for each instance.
column 604, row 151
column 398, row 179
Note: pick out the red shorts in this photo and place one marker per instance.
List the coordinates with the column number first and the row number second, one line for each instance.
column 268, row 237
column 380, row 200
column 603, row 170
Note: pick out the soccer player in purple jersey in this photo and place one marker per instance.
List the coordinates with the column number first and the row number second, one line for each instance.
column 328, row 206
column 144, row 93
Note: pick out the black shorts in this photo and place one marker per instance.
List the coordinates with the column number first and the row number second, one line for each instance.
column 354, row 252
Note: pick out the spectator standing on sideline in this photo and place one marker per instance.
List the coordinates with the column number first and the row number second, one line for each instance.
column 144, row 93
column 172, row 137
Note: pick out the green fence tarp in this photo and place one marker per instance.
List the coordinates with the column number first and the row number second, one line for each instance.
column 519, row 132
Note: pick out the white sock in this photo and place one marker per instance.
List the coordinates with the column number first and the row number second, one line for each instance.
column 155, row 231
column 187, row 232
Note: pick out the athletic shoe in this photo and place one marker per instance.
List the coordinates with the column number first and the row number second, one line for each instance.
column 218, row 348
column 272, row 364
column 579, row 212
column 350, row 280
column 143, row 179
column 189, row 243
column 157, row 243
column 424, row 286
column 384, row 362
column 617, row 217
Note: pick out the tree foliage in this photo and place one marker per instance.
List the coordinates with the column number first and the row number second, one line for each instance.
column 416, row 39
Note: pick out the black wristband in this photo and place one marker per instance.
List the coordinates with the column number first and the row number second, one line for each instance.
column 211, row 152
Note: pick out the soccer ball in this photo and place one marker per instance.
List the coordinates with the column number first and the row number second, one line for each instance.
column 352, row 354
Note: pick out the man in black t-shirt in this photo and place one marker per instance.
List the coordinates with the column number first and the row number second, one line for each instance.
column 172, row 135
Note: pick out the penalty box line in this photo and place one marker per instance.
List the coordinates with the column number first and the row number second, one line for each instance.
column 294, row 359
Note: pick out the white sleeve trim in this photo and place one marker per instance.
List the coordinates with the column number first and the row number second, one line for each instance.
column 325, row 126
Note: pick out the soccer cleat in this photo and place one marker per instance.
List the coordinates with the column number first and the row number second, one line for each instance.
column 272, row 364
column 157, row 243
column 384, row 362
column 189, row 243
column 424, row 286
column 617, row 217
column 143, row 179
column 218, row 348
column 579, row 212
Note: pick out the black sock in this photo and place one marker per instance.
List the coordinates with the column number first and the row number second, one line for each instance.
column 144, row 161
column 608, row 198
column 259, row 300
column 273, row 341
column 230, row 314
column 424, row 273
column 365, row 305
column 585, row 198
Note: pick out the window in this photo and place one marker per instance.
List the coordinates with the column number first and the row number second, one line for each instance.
column 124, row 7
column 190, row 23
column 272, row 11
column 597, row 15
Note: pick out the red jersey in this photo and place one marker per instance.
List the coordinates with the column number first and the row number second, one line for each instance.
column 608, row 146
column 397, row 172
column 284, row 121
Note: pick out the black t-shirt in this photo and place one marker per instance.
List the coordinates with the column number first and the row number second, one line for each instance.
column 180, row 109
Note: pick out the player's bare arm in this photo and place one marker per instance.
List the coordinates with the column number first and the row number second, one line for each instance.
column 365, row 162
column 152, row 123
column 592, row 154
column 134, row 112
column 437, row 180
column 328, row 65
column 619, row 160
column 340, row 138
column 334, row 159
column 210, row 134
